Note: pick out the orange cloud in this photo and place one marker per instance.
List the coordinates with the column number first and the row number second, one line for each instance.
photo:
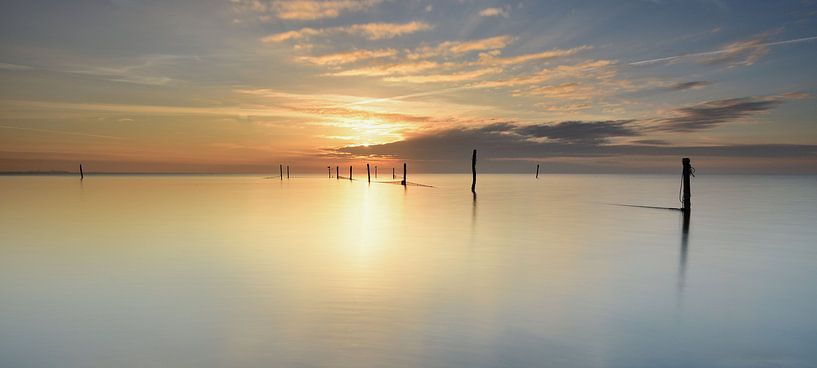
column 347, row 57
column 371, row 31
column 313, row 9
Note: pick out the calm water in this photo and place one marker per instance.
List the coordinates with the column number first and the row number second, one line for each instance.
column 242, row 271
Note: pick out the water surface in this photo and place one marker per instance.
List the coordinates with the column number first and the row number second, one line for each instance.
column 243, row 271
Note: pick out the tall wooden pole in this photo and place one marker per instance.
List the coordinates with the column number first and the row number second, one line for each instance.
column 687, row 196
column 350, row 172
column 537, row 171
column 81, row 174
column 474, row 172
column 281, row 171
column 368, row 174
column 404, row 175
column 392, row 174
column 287, row 171
column 337, row 172
column 329, row 168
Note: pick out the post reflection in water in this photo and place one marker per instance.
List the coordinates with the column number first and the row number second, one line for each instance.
column 686, row 214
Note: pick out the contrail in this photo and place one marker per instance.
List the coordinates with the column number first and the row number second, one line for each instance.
column 716, row 52
column 632, row 63
column 62, row 132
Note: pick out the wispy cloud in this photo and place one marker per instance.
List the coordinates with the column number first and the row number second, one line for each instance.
column 371, row 31
column 494, row 12
column 459, row 47
column 14, row 67
column 544, row 55
column 387, row 69
column 444, row 77
column 709, row 114
column 302, row 9
column 52, row 131
column 347, row 57
column 689, row 85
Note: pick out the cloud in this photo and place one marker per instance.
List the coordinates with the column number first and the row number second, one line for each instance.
column 550, row 54
column 372, row 31
column 710, row 114
column 387, row 69
column 689, row 85
column 594, row 132
column 14, row 67
column 302, row 9
column 292, row 35
column 493, row 12
column 347, row 57
column 440, row 78
column 455, row 48
column 379, row 31
column 503, row 141
column 564, row 108
column 745, row 52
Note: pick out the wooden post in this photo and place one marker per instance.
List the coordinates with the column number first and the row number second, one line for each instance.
column 375, row 171
column 392, row 174
column 404, row 175
column 368, row 174
column 337, row 172
column 329, row 168
column 81, row 174
column 474, row 172
column 350, row 172
column 287, row 171
column 537, row 171
column 281, row 171
column 687, row 202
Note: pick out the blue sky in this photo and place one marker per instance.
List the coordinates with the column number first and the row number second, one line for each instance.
column 241, row 85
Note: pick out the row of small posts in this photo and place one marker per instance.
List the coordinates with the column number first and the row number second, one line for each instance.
column 686, row 172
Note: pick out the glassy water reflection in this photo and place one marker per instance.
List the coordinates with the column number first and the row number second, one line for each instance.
column 211, row 271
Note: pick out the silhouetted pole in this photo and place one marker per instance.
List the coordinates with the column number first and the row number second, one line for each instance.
column 392, row 174
column 404, row 175
column 281, row 171
column 287, row 171
column 337, row 172
column 537, row 171
column 687, row 192
column 474, row 172
column 81, row 174
column 329, row 168
column 368, row 174
column 350, row 172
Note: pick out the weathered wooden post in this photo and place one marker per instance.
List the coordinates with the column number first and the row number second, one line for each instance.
column 281, row 171
column 350, row 172
column 474, row 172
column 337, row 172
column 687, row 202
column 81, row 174
column 537, row 171
column 392, row 174
column 329, row 168
column 404, row 175
column 287, row 171
column 368, row 174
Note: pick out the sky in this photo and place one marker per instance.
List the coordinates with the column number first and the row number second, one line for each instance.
column 247, row 85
